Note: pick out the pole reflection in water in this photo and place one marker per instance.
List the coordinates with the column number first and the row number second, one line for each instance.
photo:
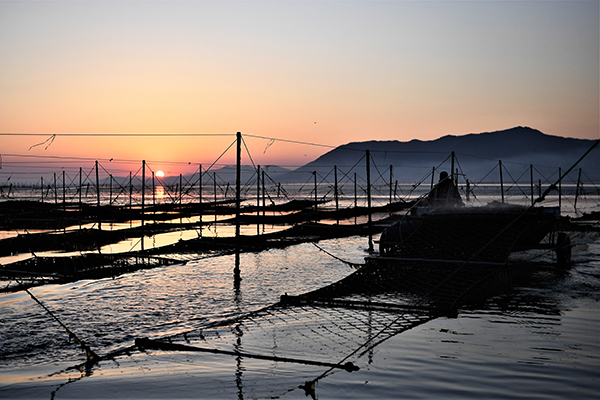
column 239, row 369
column 237, row 330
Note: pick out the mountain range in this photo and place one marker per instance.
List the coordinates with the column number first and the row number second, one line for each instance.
column 477, row 156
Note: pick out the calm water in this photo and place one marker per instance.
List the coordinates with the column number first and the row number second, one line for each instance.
column 541, row 340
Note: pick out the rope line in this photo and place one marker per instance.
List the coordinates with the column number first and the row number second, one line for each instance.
column 92, row 357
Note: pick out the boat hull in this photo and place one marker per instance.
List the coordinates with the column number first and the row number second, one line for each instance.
column 486, row 234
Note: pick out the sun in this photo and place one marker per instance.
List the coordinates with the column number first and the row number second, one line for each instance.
column 160, row 174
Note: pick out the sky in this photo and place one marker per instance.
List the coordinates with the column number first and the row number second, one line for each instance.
column 304, row 72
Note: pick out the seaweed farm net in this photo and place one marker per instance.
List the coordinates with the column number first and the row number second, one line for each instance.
column 331, row 328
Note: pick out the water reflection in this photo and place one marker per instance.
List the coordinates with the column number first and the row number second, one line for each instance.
column 159, row 195
column 239, row 369
column 110, row 313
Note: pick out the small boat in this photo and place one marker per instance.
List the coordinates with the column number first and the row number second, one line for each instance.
column 441, row 227
column 474, row 234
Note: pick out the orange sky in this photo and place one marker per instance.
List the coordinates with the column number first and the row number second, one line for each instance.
column 318, row 72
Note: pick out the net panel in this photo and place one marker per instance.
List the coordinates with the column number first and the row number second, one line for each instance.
column 340, row 322
column 446, row 263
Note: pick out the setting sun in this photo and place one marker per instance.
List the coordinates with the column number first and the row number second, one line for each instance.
column 160, row 174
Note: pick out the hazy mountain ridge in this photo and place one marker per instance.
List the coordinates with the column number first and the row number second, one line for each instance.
column 477, row 154
column 507, row 143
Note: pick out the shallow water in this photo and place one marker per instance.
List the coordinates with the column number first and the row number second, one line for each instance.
column 541, row 340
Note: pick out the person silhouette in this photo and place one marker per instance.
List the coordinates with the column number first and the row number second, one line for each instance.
column 445, row 193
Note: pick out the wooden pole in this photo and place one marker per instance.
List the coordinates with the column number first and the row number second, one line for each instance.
column 80, row 187
column 369, row 220
column 180, row 188
column 64, row 191
column 200, row 211
column 200, row 187
column 143, row 200
column 501, row 181
column 432, row 178
column 238, row 190
column 153, row 191
column 264, row 197
column 55, row 191
column 215, row 193
column 531, row 178
column 130, row 190
column 577, row 190
column 335, row 193
column 315, row 176
column 98, row 196
column 559, row 188
column 97, row 186
column 238, row 182
column 110, row 191
column 355, row 192
column 258, row 200
column 391, row 181
column 452, row 170
column 42, row 187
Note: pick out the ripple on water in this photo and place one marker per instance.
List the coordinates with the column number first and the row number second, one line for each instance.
column 540, row 340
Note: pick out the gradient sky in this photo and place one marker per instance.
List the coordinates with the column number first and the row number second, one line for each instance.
column 321, row 72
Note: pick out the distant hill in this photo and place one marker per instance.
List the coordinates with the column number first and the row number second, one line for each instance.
column 477, row 155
